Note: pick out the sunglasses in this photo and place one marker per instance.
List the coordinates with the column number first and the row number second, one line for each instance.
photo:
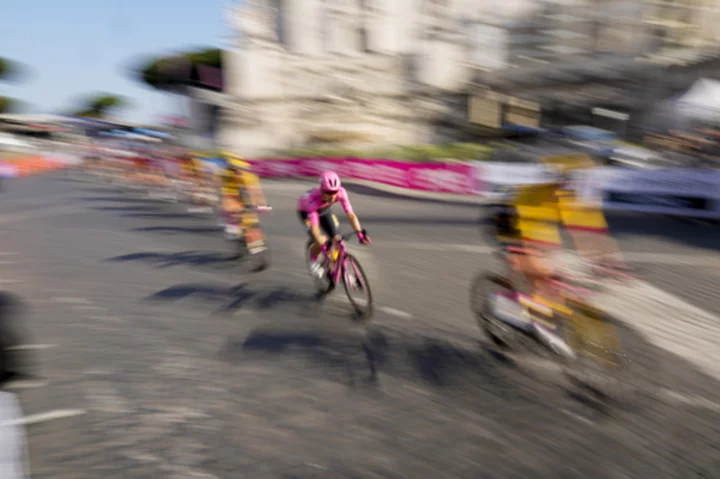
column 330, row 193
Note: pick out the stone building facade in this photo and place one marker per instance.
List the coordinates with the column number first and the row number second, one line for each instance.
column 359, row 73
column 383, row 72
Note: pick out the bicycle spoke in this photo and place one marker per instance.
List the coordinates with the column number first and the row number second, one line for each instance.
column 353, row 276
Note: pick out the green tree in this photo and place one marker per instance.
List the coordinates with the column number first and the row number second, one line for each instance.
column 6, row 68
column 11, row 70
column 7, row 105
column 175, row 72
column 100, row 105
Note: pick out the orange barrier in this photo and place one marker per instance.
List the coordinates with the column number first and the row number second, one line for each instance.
column 31, row 165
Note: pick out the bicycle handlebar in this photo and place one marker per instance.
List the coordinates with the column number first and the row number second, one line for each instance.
column 347, row 236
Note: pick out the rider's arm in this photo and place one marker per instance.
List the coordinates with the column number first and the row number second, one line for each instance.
column 252, row 184
column 352, row 217
column 354, row 221
column 256, row 195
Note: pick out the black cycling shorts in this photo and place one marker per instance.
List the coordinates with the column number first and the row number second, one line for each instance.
column 328, row 222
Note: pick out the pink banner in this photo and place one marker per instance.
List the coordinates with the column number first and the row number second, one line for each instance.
column 458, row 178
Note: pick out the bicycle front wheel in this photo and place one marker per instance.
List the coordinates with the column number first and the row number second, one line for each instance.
column 602, row 364
column 355, row 281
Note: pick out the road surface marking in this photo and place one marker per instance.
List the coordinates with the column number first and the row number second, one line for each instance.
column 26, row 384
column 49, row 416
column 342, row 298
column 395, row 312
column 673, row 259
column 631, row 257
column 577, row 416
column 666, row 321
column 688, row 400
column 31, row 347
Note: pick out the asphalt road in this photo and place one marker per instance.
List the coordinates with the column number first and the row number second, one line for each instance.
column 179, row 363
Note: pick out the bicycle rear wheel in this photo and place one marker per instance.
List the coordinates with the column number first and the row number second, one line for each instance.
column 354, row 280
column 256, row 244
column 485, row 291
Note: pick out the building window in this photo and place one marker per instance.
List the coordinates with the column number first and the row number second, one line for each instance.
column 279, row 12
column 364, row 40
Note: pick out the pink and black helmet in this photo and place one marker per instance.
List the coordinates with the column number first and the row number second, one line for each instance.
column 329, row 182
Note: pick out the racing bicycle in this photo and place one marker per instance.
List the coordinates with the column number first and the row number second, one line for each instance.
column 343, row 266
column 252, row 240
column 583, row 337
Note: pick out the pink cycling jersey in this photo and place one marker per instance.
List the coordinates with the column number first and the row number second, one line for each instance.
column 313, row 204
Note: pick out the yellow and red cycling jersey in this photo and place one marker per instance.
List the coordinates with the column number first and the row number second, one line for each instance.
column 542, row 209
column 236, row 181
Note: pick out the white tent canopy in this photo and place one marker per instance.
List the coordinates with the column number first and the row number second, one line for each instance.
column 702, row 101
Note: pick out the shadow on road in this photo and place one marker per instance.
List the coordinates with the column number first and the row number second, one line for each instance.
column 113, row 199
column 167, row 260
column 360, row 354
column 170, row 230
column 349, row 354
column 13, row 363
column 126, row 209
column 160, row 216
column 107, row 189
column 243, row 296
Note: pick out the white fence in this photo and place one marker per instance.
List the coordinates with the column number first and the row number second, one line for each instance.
column 677, row 191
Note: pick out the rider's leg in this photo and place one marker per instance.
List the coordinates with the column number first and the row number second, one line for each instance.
column 331, row 226
column 232, row 208
column 539, row 240
column 316, row 247
column 540, row 272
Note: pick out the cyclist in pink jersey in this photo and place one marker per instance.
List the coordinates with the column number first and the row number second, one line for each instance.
column 315, row 213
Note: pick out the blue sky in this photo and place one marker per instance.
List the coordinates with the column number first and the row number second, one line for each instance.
column 74, row 47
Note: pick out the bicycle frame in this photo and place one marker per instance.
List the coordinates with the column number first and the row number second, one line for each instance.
column 592, row 337
column 340, row 265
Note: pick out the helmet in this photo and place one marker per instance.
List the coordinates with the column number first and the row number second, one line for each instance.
column 236, row 162
column 558, row 175
column 329, row 181
column 563, row 168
